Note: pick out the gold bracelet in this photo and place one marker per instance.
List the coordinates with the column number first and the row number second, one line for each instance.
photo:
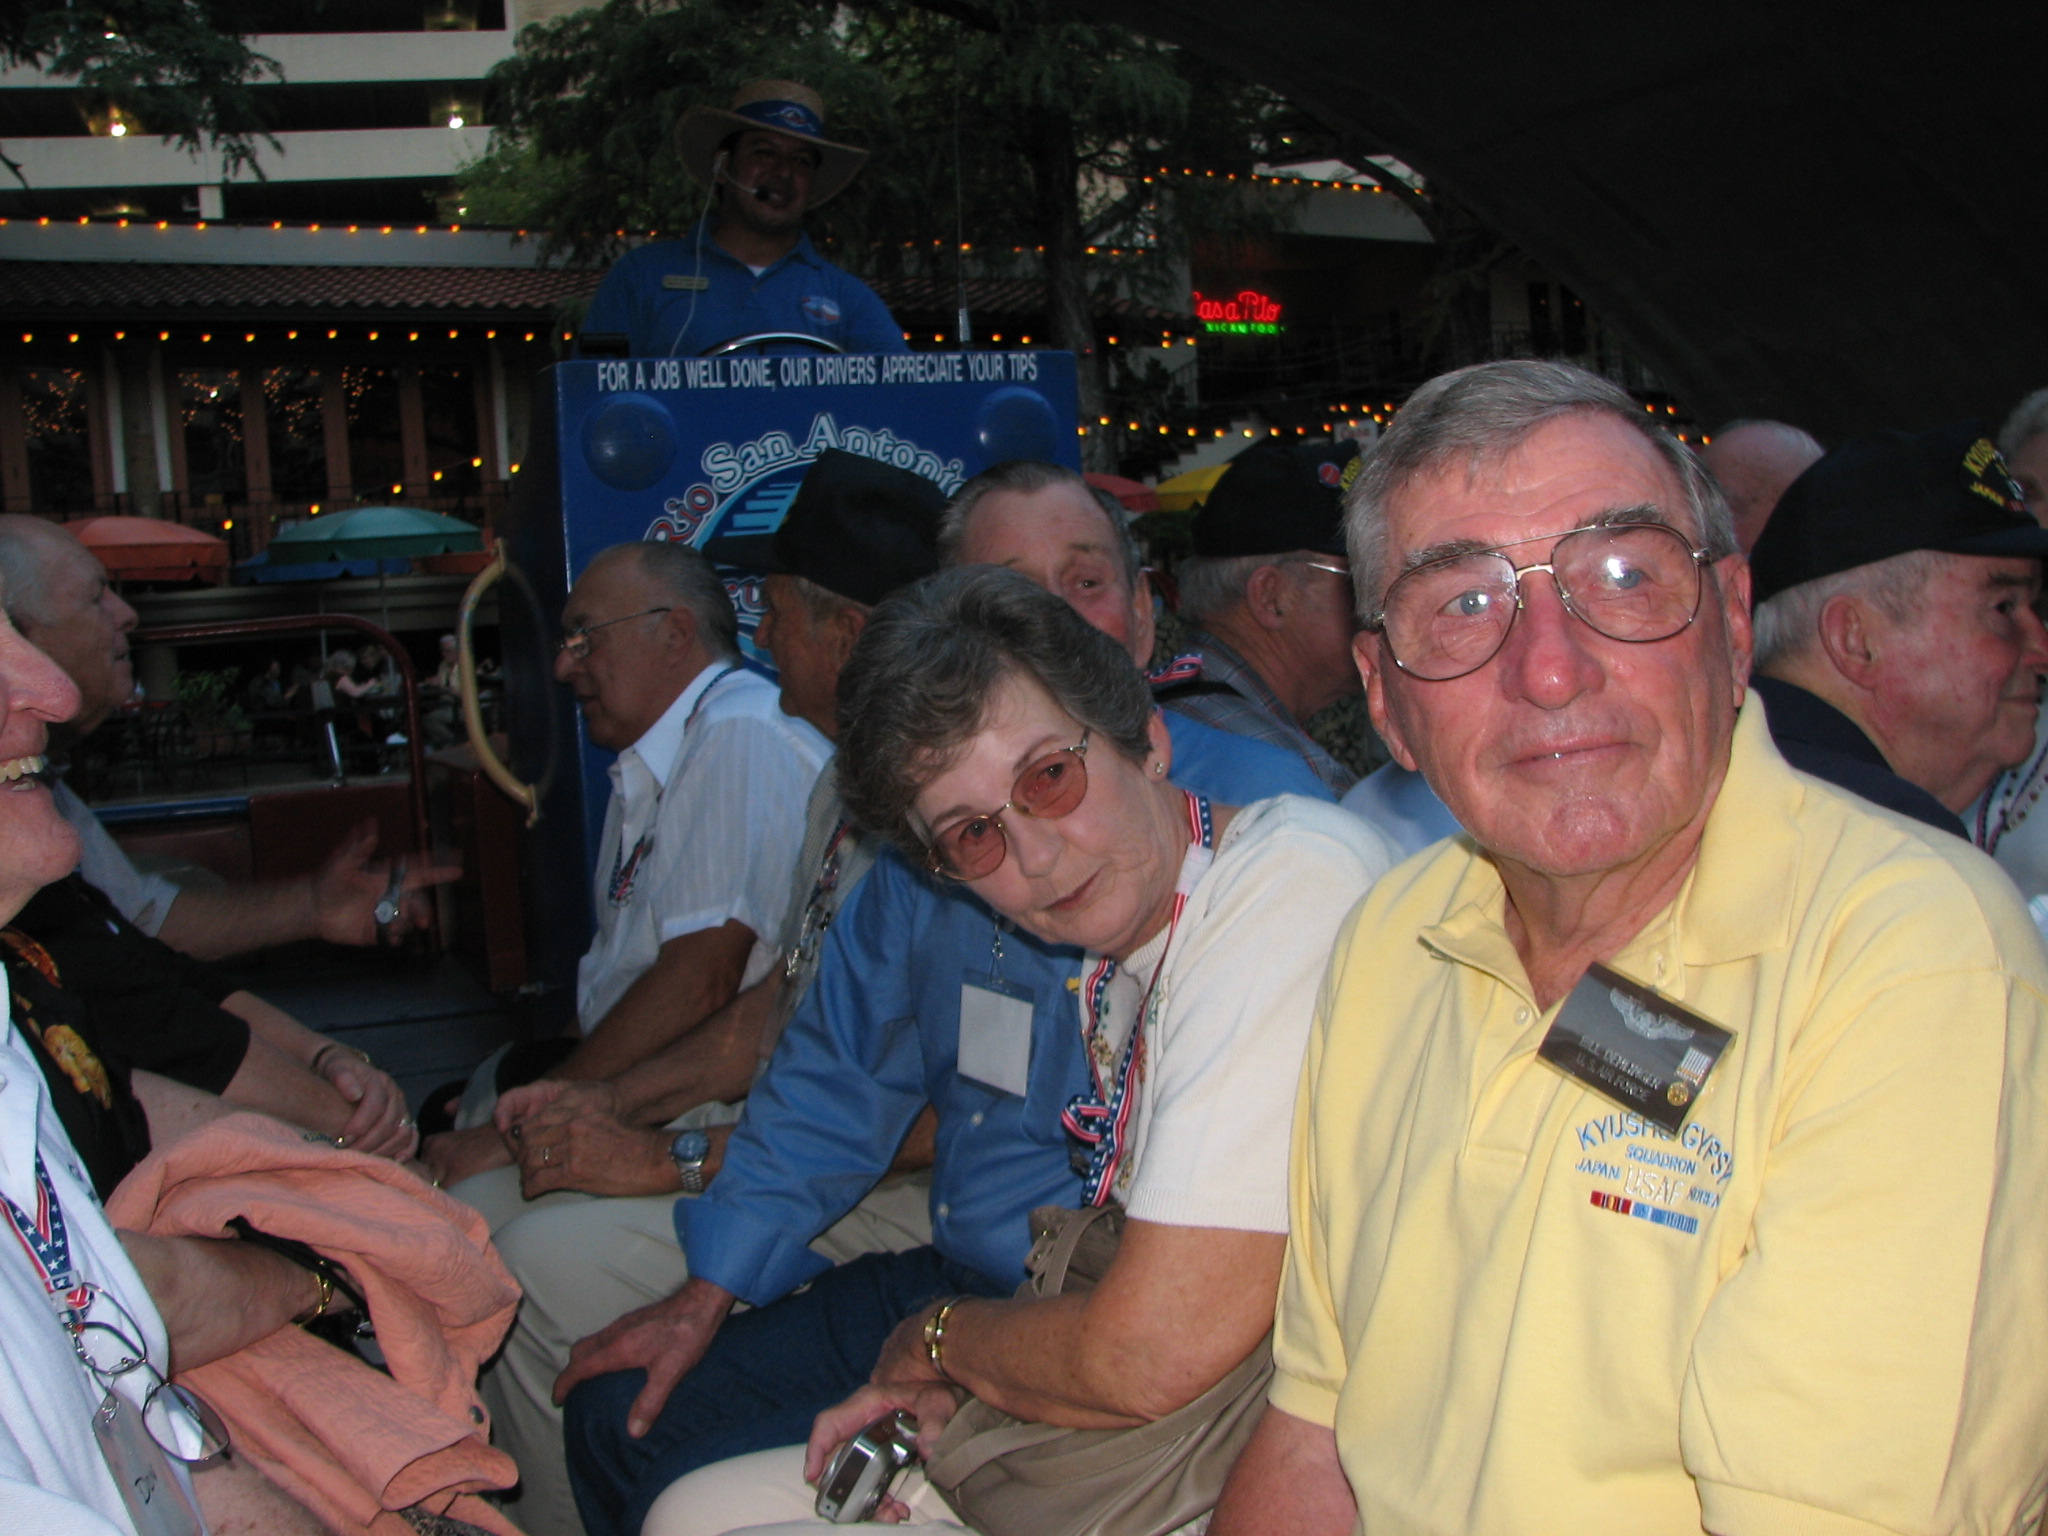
column 935, row 1338
column 326, row 1299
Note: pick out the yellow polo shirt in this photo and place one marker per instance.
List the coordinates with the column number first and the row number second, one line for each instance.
column 1822, row 1308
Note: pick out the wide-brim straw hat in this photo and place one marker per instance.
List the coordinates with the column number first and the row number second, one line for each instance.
column 773, row 106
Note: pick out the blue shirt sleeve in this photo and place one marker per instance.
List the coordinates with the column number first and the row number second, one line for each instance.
column 615, row 308
column 825, row 1119
column 1237, row 769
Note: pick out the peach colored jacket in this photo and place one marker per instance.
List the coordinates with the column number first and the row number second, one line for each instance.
column 348, row 1442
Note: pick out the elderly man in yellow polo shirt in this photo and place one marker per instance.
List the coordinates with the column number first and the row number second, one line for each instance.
column 1669, row 1149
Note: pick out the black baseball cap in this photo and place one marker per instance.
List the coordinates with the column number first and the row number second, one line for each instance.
column 1277, row 497
column 857, row 527
column 1888, row 494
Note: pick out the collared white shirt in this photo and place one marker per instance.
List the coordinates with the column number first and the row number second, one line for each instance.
column 704, row 826
column 145, row 900
column 53, row 1480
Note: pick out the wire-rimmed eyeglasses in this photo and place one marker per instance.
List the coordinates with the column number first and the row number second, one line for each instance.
column 1634, row 582
column 1050, row 787
column 109, row 1350
column 576, row 642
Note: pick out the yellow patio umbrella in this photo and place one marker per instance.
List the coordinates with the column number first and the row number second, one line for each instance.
column 1183, row 493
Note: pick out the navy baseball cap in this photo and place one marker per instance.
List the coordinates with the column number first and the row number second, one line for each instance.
column 857, row 527
column 1891, row 493
column 1277, row 497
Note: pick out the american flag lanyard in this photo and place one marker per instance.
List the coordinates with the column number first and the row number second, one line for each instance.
column 625, row 867
column 1098, row 1121
column 45, row 1239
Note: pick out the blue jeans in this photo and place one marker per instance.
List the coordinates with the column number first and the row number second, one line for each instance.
column 767, row 1374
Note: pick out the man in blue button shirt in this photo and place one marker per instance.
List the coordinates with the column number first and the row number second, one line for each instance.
column 747, row 267
column 876, row 1038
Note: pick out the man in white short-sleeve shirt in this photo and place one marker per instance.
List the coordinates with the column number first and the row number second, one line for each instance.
column 694, row 870
column 60, row 600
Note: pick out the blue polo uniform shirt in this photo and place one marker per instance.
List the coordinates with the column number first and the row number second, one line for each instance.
column 648, row 295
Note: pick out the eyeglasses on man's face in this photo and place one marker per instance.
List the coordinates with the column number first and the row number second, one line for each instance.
column 1050, row 787
column 1635, row 582
column 576, row 642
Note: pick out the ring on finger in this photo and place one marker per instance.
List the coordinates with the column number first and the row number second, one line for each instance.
column 547, row 1155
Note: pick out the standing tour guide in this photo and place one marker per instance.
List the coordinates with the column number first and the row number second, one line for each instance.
column 746, row 267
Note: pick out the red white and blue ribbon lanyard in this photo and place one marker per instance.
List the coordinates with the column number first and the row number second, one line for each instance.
column 626, row 866
column 47, row 1242
column 1099, row 1122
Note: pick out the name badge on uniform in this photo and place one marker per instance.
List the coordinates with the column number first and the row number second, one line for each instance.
column 1638, row 1047
column 686, row 283
column 995, row 1033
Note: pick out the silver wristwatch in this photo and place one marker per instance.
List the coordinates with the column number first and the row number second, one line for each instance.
column 393, row 900
column 688, row 1152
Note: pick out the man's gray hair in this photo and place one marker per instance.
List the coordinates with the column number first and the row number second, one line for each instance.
column 824, row 604
column 1025, row 477
column 1788, row 623
column 1477, row 416
column 24, row 549
column 1213, row 584
column 681, row 574
column 916, row 689
column 2029, row 419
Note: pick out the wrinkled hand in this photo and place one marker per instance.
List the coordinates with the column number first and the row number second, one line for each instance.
column 553, row 1095
column 458, row 1155
column 380, row 1124
column 346, row 889
column 593, row 1153
column 666, row 1340
column 904, row 1362
column 932, row 1405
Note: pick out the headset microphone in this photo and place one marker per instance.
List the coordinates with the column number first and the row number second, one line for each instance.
column 719, row 173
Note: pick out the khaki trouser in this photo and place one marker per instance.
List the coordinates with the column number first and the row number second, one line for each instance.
column 584, row 1262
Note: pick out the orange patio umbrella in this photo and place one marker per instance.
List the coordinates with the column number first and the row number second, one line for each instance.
column 151, row 549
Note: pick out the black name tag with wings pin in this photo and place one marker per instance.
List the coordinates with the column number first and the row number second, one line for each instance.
column 1639, row 1048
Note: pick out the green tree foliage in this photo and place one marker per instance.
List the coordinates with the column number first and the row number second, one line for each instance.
column 998, row 124
column 176, row 68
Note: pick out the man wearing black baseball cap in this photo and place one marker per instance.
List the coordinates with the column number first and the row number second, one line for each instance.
column 1268, row 597
column 855, row 532
column 1898, row 653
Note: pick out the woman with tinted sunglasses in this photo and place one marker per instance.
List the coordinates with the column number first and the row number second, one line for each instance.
column 1000, row 741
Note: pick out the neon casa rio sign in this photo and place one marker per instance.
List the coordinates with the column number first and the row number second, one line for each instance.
column 1249, row 314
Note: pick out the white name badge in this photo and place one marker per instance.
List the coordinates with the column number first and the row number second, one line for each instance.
column 995, row 1034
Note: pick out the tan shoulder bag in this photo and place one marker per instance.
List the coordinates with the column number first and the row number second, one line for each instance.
column 1006, row 1477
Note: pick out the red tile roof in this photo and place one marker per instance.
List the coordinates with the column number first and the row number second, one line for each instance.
column 138, row 290
column 134, row 289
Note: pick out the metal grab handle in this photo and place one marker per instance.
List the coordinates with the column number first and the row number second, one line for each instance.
column 472, row 714
column 759, row 337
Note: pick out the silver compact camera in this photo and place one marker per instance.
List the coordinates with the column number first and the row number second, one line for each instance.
column 866, row 1467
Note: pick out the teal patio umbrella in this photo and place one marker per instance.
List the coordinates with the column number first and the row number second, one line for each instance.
column 375, row 533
